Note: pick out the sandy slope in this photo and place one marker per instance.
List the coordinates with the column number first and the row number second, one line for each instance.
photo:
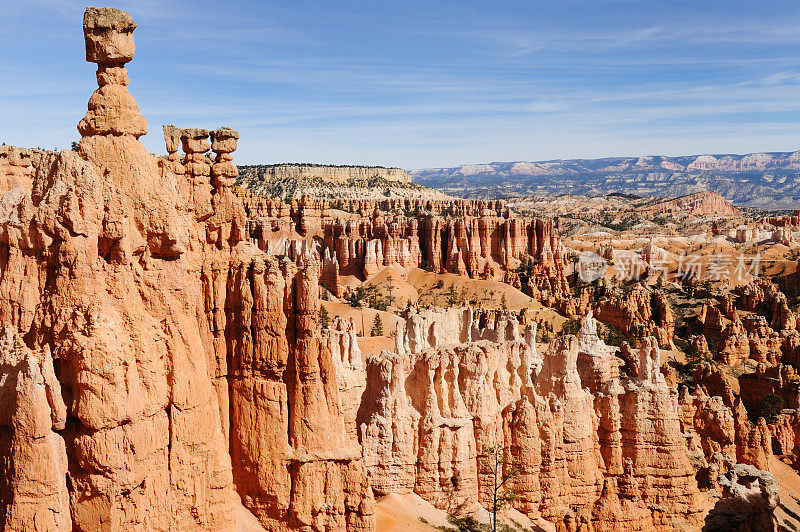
column 405, row 513
column 246, row 521
column 789, row 481
column 410, row 513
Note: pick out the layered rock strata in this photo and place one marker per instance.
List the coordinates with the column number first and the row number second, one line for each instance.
column 334, row 174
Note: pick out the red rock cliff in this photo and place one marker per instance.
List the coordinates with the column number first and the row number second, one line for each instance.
column 149, row 343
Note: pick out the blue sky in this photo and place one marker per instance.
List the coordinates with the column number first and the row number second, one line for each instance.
column 426, row 84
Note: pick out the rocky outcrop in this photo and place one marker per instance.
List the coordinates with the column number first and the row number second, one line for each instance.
column 639, row 314
column 427, row 415
column 341, row 340
column 475, row 239
column 596, row 364
column 33, row 489
column 767, row 300
column 766, row 345
column 753, row 441
column 344, row 186
column 570, row 477
column 15, row 168
column 153, row 344
column 365, row 247
column 752, row 322
column 724, row 330
column 388, row 426
column 786, row 436
column 781, row 380
column 448, row 207
column 226, row 226
column 701, row 203
column 748, row 503
column 651, row 437
column 620, row 507
column 286, row 415
column 710, row 429
column 715, row 382
column 719, row 417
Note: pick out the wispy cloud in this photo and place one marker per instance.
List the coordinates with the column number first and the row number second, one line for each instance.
column 391, row 83
column 780, row 78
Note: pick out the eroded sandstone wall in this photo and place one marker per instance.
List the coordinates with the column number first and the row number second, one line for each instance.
column 477, row 239
column 147, row 343
column 459, row 384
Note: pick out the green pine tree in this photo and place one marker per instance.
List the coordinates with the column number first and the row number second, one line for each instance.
column 377, row 326
column 324, row 318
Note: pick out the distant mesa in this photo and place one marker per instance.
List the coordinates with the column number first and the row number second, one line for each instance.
column 334, row 183
column 332, row 173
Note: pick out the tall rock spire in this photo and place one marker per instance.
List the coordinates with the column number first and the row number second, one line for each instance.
column 109, row 140
column 109, row 43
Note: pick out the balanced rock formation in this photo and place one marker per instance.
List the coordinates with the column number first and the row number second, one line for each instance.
column 144, row 445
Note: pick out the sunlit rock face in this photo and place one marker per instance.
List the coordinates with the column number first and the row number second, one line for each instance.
column 475, row 239
column 157, row 369
column 453, row 389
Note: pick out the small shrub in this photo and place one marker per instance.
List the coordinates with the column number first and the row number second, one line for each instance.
column 613, row 336
column 324, row 293
column 466, row 524
column 769, row 407
column 356, row 297
column 571, row 326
